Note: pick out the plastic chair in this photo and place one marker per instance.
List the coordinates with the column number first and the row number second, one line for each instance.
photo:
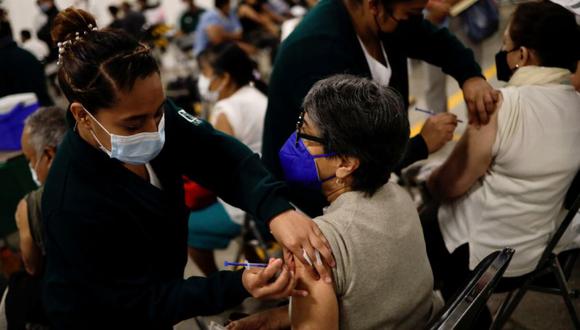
column 553, row 270
column 464, row 308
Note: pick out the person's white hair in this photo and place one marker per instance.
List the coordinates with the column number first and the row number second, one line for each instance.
column 47, row 128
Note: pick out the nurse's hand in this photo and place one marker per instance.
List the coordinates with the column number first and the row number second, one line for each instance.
column 481, row 100
column 438, row 130
column 301, row 236
column 261, row 284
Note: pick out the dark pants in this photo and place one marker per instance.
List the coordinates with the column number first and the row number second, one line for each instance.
column 24, row 307
column 451, row 270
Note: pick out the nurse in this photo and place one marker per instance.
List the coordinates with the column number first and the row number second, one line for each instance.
column 116, row 224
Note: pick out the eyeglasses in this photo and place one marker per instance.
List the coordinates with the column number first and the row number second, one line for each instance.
column 299, row 135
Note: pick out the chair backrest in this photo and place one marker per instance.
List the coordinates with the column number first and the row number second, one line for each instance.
column 463, row 309
column 572, row 203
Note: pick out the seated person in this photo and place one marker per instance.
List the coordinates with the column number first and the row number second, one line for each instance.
column 43, row 132
column 504, row 183
column 217, row 26
column 350, row 137
column 226, row 77
column 260, row 25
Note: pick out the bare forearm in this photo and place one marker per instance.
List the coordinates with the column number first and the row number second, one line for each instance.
column 444, row 182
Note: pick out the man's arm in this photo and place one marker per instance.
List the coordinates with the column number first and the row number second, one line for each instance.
column 468, row 162
column 217, row 35
column 31, row 255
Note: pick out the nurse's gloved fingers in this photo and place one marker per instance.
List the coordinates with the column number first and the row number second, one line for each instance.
column 276, row 289
column 264, row 276
column 471, row 114
column 308, row 258
column 289, row 260
column 322, row 269
column 489, row 100
column 299, row 293
column 321, row 245
column 291, row 290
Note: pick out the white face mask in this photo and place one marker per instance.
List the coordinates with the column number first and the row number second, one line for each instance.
column 34, row 174
column 137, row 149
column 203, row 87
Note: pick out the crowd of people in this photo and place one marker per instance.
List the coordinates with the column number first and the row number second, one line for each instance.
column 311, row 152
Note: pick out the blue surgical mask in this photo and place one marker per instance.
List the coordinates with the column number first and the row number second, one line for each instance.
column 137, row 149
column 299, row 166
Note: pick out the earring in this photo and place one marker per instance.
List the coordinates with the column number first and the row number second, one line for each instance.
column 517, row 66
column 339, row 181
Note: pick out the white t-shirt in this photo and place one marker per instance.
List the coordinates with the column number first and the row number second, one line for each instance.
column 535, row 157
column 245, row 111
column 379, row 72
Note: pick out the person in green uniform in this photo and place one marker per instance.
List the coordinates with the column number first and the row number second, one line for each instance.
column 113, row 203
column 190, row 17
column 373, row 39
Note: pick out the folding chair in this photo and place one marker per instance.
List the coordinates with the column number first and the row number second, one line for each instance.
column 253, row 246
column 464, row 308
column 553, row 270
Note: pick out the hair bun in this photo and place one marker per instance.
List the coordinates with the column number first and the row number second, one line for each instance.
column 70, row 22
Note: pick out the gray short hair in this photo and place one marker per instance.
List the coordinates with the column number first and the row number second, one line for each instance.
column 47, row 128
column 358, row 117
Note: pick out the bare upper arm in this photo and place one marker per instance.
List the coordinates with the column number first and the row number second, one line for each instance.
column 21, row 215
column 469, row 161
column 223, row 124
column 31, row 255
column 318, row 310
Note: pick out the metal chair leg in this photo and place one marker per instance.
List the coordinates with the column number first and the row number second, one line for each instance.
column 260, row 238
column 565, row 292
column 508, row 307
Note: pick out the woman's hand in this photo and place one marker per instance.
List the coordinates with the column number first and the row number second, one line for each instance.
column 301, row 236
column 260, row 283
column 438, row 130
column 481, row 100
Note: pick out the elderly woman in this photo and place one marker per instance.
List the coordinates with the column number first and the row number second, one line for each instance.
column 351, row 135
column 504, row 183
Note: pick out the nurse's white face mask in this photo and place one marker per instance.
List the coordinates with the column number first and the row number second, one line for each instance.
column 137, row 149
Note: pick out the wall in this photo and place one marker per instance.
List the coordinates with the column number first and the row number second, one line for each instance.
column 26, row 14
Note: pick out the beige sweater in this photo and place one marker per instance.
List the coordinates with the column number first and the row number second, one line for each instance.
column 383, row 278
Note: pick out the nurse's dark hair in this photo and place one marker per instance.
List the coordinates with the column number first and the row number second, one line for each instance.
column 96, row 65
column 230, row 58
column 388, row 4
column 548, row 29
column 359, row 118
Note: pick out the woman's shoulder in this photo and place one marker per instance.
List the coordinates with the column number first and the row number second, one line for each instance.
column 247, row 96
